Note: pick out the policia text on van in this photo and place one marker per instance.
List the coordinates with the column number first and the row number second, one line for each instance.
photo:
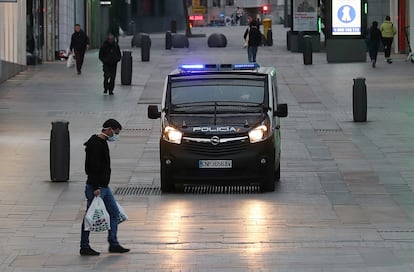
column 220, row 125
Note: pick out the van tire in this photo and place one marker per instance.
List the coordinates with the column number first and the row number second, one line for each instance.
column 268, row 184
column 167, row 184
column 277, row 173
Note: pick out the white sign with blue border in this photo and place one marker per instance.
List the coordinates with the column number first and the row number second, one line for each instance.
column 346, row 17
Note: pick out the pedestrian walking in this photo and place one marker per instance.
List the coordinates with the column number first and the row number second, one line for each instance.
column 252, row 38
column 388, row 32
column 373, row 40
column 110, row 55
column 98, row 170
column 79, row 43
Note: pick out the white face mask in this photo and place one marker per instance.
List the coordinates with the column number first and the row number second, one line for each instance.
column 113, row 138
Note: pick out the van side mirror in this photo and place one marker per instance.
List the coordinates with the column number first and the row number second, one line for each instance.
column 153, row 112
column 282, row 110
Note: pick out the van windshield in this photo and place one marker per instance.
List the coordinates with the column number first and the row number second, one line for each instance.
column 217, row 90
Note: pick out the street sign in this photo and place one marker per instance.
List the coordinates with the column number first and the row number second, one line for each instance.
column 346, row 17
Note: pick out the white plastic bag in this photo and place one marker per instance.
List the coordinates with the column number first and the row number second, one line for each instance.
column 97, row 218
column 122, row 214
column 70, row 61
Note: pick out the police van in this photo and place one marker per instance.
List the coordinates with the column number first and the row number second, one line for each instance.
column 220, row 126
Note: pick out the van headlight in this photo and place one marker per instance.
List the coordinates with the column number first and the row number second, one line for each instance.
column 172, row 135
column 258, row 134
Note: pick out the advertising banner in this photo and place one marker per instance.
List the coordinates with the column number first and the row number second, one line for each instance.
column 346, row 17
column 305, row 15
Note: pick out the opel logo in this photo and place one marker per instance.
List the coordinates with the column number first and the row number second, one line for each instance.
column 215, row 140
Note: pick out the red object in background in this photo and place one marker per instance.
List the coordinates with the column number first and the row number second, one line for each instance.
column 196, row 18
column 265, row 9
column 401, row 26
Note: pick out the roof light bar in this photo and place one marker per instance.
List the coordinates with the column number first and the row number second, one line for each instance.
column 218, row 67
column 192, row 67
column 245, row 66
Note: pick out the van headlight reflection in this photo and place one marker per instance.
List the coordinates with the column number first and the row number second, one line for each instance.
column 258, row 134
column 172, row 135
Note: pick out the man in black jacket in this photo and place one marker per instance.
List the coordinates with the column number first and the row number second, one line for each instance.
column 79, row 43
column 109, row 54
column 98, row 170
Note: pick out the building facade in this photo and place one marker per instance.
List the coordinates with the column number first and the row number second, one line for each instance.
column 12, row 38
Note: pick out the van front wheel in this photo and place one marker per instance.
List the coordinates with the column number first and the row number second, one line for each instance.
column 268, row 184
column 167, row 184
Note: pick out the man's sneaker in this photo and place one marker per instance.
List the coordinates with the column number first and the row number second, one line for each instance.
column 88, row 251
column 389, row 60
column 111, row 92
column 105, row 91
column 118, row 249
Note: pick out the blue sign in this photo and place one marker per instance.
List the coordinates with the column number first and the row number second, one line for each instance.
column 346, row 14
column 346, row 17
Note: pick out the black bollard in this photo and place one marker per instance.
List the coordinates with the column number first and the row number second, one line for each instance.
column 126, row 68
column 59, row 151
column 307, row 50
column 168, row 40
column 359, row 100
column 145, row 47
column 269, row 37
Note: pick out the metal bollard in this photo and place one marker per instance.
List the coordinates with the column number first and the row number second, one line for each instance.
column 269, row 38
column 307, row 50
column 59, row 151
column 168, row 40
column 359, row 100
column 126, row 68
column 145, row 47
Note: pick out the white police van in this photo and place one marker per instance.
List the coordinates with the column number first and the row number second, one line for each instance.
column 220, row 125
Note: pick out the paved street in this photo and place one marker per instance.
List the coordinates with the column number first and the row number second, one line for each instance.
column 345, row 201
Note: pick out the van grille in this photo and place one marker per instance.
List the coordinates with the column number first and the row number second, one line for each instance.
column 220, row 149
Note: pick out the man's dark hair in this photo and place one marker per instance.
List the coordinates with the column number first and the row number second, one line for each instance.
column 77, row 25
column 388, row 18
column 112, row 123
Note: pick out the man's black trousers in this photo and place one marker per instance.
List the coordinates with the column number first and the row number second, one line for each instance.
column 109, row 77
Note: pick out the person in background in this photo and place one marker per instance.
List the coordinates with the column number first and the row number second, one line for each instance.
column 98, row 170
column 79, row 43
column 388, row 32
column 110, row 55
column 373, row 42
column 253, row 39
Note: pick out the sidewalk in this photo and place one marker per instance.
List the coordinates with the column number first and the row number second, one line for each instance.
column 345, row 202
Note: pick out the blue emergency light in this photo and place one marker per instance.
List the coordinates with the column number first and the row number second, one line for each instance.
column 192, row 67
column 246, row 66
column 218, row 67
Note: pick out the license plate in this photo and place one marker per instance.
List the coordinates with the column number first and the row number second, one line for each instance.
column 215, row 163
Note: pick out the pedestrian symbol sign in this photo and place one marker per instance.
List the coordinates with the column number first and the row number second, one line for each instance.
column 346, row 14
column 346, row 17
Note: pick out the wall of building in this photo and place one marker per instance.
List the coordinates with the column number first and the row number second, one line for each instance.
column 66, row 23
column 12, row 38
